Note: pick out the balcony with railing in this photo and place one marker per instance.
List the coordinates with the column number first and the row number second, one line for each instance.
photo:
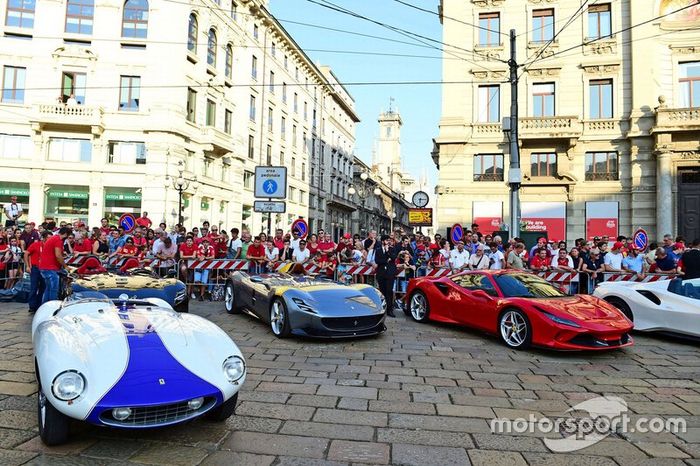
column 69, row 116
column 222, row 143
column 564, row 127
column 678, row 119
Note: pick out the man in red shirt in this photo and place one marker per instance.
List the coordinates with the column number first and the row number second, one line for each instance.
column 82, row 246
column 104, row 227
column 540, row 262
column 144, row 221
column 50, row 262
column 279, row 239
column 256, row 256
column 31, row 260
column 204, row 251
column 188, row 250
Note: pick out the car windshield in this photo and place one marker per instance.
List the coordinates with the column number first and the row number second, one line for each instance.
column 86, row 297
column 524, row 285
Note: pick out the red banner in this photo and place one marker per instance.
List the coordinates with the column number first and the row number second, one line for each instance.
column 601, row 227
column 487, row 225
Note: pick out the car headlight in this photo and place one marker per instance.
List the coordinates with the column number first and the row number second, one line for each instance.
column 301, row 304
column 68, row 385
column 234, row 368
column 561, row 320
column 383, row 303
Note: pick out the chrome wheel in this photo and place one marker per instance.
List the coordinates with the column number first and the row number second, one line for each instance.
column 42, row 409
column 514, row 329
column 419, row 307
column 228, row 298
column 277, row 318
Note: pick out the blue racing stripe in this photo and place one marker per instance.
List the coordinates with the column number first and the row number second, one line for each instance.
column 153, row 376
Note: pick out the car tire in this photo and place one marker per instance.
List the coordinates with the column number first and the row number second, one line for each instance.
column 515, row 329
column 230, row 299
column 279, row 319
column 622, row 306
column 53, row 424
column 419, row 307
column 183, row 306
column 224, row 411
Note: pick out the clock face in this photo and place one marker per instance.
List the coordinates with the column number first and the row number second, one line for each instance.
column 420, row 199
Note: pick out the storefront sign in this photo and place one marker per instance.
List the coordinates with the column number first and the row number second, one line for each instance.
column 420, row 217
column 602, row 219
column 68, row 194
column 545, row 216
column 14, row 192
column 122, row 197
column 488, row 215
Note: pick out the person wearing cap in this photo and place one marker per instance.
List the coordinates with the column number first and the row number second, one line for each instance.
column 459, row 257
column 613, row 260
column 633, row 263
column 677, row 251
column 13, row 211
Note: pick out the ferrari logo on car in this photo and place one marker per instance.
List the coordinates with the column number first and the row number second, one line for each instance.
column 355, row 323
column 161, row 381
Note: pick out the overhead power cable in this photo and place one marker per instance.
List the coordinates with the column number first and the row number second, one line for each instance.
column 476, row 26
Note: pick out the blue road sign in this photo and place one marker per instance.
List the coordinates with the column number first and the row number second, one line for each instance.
column 301, row 227
column 641, row 239
column 128, row 222
column 271, row 182
column 456, row 233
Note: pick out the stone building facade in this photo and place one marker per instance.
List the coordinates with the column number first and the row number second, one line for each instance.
column 106, row 102
column 609, row 116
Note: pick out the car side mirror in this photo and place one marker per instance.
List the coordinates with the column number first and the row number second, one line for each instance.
column 256, row 279
column 482, row 294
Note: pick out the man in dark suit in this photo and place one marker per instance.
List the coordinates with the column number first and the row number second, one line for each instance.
column 385, row 258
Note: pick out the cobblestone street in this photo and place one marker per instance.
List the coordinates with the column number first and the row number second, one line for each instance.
column 417, row 395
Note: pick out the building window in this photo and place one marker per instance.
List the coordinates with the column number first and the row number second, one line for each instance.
column 303, row 171
column 13, row 78
column 20, row 13
column 543, row 25
column 270, row 117
column 543, row 164
column 228, row 118
column 191, row 105
column 192, row 34
column 272, row 82
column 306, row 110
column 229, row 61
column 251, row 113
column 73, row 85
column 489, row 103
column 489, row 29
column 284, row 93
column 286, row 62
column 129, row 94
column 690, row 84
column 296, row 103
column 251, row 147
column 13, row 146
column 135, row 19
column 248, row 179
column 283, row 128
column 79, row 14
column 254, row 67
column 206, row 167
column 601, row 96
column 599, row 21
column 70, row 150
column 127, row 153
column 601, row 166
column 283, row 159
column 256, row 31
column 293, row 168
column 268, row 154
column 273, row 49
column 543, row 100
column 211, row 113
column 294, row 135
column 488, row 167
column 211, row 48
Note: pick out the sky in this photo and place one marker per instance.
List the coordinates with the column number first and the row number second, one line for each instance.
column 419, row 105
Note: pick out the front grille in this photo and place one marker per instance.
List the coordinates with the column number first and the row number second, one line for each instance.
column 152, row 416
column 593, row 342
column 351, row 323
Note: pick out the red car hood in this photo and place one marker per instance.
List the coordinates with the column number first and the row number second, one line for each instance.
column 580, row 307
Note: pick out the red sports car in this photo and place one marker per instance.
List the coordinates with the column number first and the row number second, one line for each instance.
column 521, row 308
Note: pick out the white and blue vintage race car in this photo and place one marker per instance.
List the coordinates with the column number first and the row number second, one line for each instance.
column 129, row 364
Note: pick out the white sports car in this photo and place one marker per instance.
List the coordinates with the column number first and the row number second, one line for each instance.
column 670, row 306
column 130, row 364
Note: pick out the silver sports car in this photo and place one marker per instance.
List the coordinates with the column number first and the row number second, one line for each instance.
column 307, row 306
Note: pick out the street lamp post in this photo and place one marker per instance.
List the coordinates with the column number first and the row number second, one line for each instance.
column 362, row 190
column 182, row 184
column 392, row 216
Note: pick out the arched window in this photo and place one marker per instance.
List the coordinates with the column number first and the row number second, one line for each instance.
column 135, row 19
column 211, row 48
column 229, row 61
column 192, row 34
column 79, row 15
column 20, row 14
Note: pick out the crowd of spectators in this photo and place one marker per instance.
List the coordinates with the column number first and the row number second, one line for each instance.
column 406, row 255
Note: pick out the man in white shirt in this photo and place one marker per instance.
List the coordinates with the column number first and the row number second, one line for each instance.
column 13, row 211
column 301, row 255
column 496, row 257
column 459, row 257
column 234, row 245
column 272, row 254
column 613, row 259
